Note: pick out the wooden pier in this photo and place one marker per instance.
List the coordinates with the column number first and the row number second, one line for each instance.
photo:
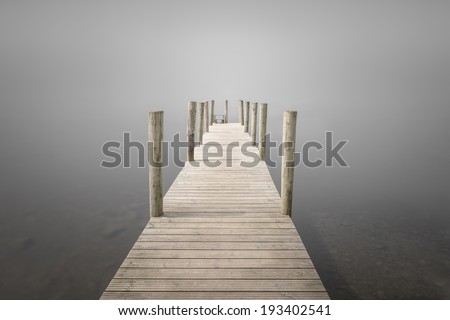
column 221, row 234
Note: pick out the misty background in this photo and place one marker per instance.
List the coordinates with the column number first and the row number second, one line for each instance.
column 75, row 74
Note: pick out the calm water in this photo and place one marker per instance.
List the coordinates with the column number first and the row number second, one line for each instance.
column 67, row 244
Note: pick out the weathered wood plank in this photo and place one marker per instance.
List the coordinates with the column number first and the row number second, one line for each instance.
column 218, row 245
column 220, row 273
column 220, row 238
column 239, row 219
column 222, row 254
column 216, row 295
column 218, row 213
column 218, row 263
column 214, row 285
column 221, row 225
column 220, row 231
column 213, row 204
column 174, row 208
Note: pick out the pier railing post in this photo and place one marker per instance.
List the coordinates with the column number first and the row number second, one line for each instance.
column 262, row 130
column 254, row 122
column 287, row 162
column 201, row 121
column 246, row 115
column 191, row 129
column 155, row 138
column 212, row 112
column 226, row 112
column 206, row 116
column 241, row 112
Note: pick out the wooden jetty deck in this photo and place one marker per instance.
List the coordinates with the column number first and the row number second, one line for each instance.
column 221, row 236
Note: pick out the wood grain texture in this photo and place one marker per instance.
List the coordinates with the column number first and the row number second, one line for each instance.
column 216, row 295
column 218, row 274
column 155, row 138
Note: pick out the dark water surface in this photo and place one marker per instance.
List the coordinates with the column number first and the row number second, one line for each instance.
column 69, row 244
column 75, row 75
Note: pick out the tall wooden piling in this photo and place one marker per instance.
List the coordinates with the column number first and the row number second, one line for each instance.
column 254, row 122
column 246, row 115
column 191, row 129
column 262, row 130
column 288, row 158
column 241, row 112
column 201, row 120
column 155, row 138
column 206, row 116
column 212, row 112
column 226, row 112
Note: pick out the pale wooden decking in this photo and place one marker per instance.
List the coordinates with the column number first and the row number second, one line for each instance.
column 221, row 237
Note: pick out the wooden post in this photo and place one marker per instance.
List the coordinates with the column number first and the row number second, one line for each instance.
column 226, row 112
column 262, row 130
column 287, row 165
column 254, row 115
column 155, row 137
column 212, row 112
column 241, row 112
column 206, row 116
column 246, row 115
column 201, row 120
column 191, row 129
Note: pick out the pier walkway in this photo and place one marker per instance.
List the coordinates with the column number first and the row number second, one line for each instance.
column 221, row 236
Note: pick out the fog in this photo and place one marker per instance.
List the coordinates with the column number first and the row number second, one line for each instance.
column 74, row 75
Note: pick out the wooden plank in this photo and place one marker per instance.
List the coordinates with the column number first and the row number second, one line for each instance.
column 220, row 238
column 207, row 204
column 218, row 213
column 213, row 254
column 225, row 200
column 286, row 274
column 194, row 209
column 220, row 231
column 182, row 219
column 235, row 196
column 217, row 295
column 218, row 245
column 218, row 263
column 214, row 179
column 221, row 225
column 214, row 285
column 217, row 189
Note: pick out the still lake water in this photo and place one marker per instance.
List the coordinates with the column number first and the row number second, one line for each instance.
column 370, row 235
